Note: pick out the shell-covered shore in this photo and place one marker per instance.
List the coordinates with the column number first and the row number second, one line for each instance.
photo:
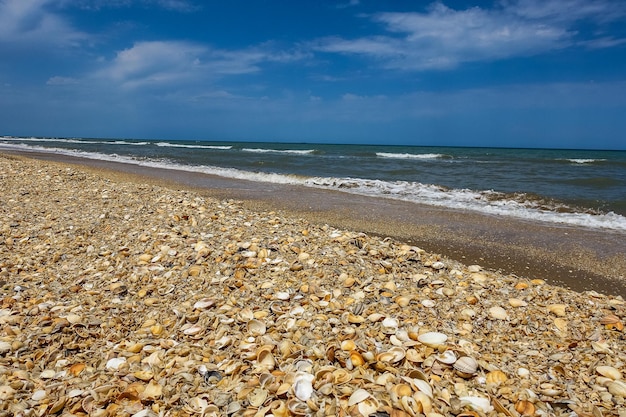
column 119, row 298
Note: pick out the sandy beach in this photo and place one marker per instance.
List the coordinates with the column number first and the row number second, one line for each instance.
column 160, row 295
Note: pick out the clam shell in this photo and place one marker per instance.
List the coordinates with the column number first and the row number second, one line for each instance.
column 516, row 302
column 525, row 408
column 204, row 303
column 498, row 313
column 477, row 403
column 358, row 396
column 617, row 388
column 466, row 365
column 496, row 377
column 609, row 372
column 448, row 357
column 302, row 386
column 433, row 339
column 257, row 397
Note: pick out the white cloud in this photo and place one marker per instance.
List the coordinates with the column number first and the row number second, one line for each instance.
column 443, row 38
column 175, row 5
column 168, row 62
column 57, row 80
column 29, row 22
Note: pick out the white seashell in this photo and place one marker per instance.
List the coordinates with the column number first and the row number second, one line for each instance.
column 448, row 357
column 115, row 363
column 390, row 322
column 433, row 339
column 516, row 302
column 478, row 403
column 523, row 372
column 498, row 313
column 4, row 346
column 358, row 396
column 282, row 295
column 617, row 388
column 75, row 393
column 47, row 374
column 193, row 330
column 39, row 395
column 204, row 303
column 423, row 386
column 466, row 365
column 609, row 372
column 428, row 303
column 438, row 265
column 303, row 386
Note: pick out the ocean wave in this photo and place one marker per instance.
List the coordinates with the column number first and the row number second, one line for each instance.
column 410, row 155
column 51, row 140
column 181, row 145
column 582, row 160
column 518, row 205
column 287, row 151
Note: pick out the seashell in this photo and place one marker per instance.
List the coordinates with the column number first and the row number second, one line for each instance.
column 73, row 318
column 204, row 303
column 394, row 354
column 403, row 301
column 348, row 345
column 561, row 324
column 498, row 313
column 58, row 405
column 428, row 303
column 265, row 358
column 402, row 390
column 302, row 386
column 516, row 302
column 612, row 322
column 466, row 366
column 157, row 329
column 374, row 317
column 355, row 319
column 5, row 346
column 282, row 295
column 194, row 270
column 356, row 358
column 256, row 327
column 477, row 403
column 496, row 377
column 609, row 372
column 390, row 323
column 39, row 395
column 152, row 391
column 617, row 388
column 298, row 408
column 192, row 330
column 115, row 363
column 341, row 376
column 358, row 396
column 523, row 372
column 6, row 392
column 437, row 265
column 77, row 368
column 525, row 408
column 432, row 339
column 257, row 397
column 557, row 309
column 423, row 386
column 448, row 357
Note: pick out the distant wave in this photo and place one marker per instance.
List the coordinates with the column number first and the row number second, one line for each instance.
column 76, row 141
column 519, row 205
column 583, row 160
column 287, row 151
column 410, row 155
column 180, row 145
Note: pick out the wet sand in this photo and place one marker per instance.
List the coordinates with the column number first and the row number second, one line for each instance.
column 576, row 258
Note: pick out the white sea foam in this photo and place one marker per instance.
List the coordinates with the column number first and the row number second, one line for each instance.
column 288, row 151
column 181, row 145
column 409, row 155
column 462, row 199
column 74, row 141
column 584, row 161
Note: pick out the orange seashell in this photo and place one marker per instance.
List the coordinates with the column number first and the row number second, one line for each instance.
column 77, row 368
column 496, row 377
column 612, row 322
column 356, row 358
column 521, row 285
column 525, row 408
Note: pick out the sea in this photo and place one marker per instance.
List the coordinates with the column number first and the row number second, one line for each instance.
column 579, row 188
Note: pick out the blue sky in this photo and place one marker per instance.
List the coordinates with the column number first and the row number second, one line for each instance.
column 520, row 73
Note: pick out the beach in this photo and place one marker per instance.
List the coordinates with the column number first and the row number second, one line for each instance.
column 142, row 291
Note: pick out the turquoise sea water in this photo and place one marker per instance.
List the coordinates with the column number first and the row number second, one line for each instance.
column 571, row 187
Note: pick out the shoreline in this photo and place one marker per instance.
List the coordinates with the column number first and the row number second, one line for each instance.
column 575, row 258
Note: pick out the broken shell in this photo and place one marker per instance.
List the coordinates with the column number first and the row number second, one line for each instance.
column 358, row 396
column 257, row 397
column 348, row 345
column 356, row 358
column 477, row 403
column 612, row 322
column 609, row 372
column 432, row 339
column 394, row 354
column 302, row 386
column 448, row 357
column 256, row 327
column 115, row 363
column 466, row 365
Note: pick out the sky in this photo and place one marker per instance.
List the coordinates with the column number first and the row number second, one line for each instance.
column 511, row 73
